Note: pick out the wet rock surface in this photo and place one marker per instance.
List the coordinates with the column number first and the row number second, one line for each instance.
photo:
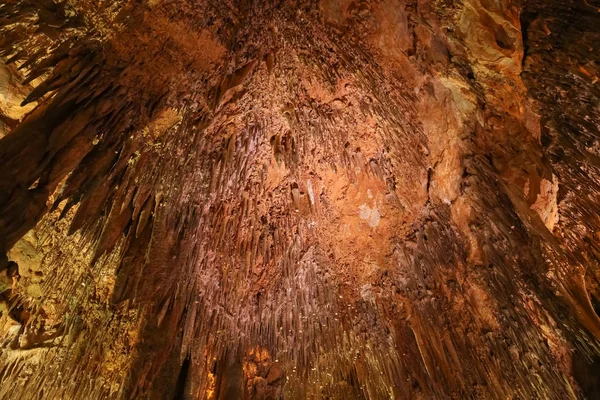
column 299, row 199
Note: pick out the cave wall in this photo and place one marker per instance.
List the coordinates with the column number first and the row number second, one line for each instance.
column 300, row 199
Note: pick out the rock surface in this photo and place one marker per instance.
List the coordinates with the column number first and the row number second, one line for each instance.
column 297, row 199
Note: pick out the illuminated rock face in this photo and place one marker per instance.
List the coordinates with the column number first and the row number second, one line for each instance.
column 299, row 199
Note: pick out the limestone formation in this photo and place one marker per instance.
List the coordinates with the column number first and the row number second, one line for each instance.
column 299, row 199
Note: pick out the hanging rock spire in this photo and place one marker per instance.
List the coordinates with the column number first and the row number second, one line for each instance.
column 299, row 199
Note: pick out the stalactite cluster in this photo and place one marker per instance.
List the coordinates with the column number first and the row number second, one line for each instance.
column 328, row 199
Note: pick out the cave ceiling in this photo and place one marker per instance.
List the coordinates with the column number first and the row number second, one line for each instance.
column 299, row 199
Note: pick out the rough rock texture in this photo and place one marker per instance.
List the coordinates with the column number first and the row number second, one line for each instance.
column 266, row 199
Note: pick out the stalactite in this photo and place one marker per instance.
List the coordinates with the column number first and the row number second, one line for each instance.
column 302, row 199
